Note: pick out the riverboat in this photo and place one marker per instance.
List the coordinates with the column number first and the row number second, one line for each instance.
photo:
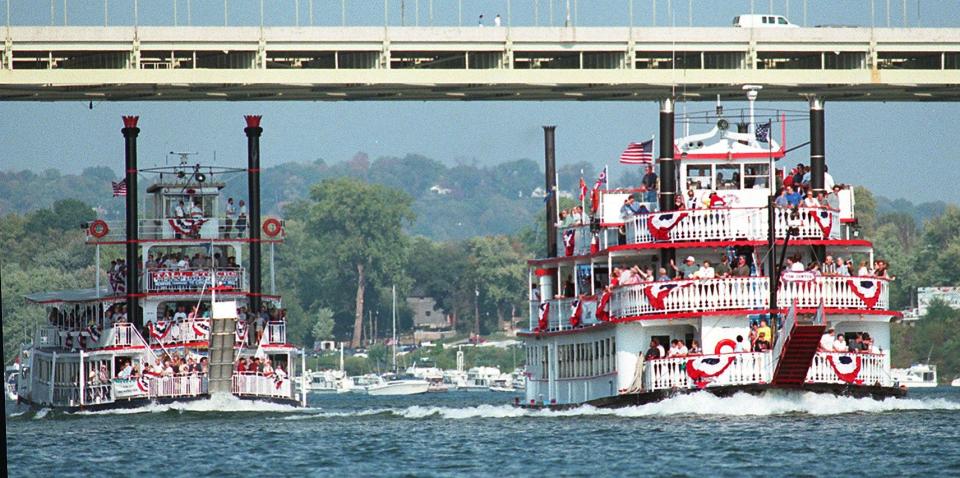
column 588, row 335
column 108, row 346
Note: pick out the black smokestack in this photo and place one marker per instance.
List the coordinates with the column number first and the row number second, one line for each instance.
column 253, row 131
column 130, row 132
column 668, row 168
column 817, row 149
column 550, row 165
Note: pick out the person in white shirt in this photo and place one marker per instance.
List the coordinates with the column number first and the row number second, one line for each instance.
column 741, row 345
column 178, row 211
column 496, row 20
column 663, row 353
column 241, row 218
column 682, row 348
column 674, row 350
column 181, row 314
column 196, row 210
column 809, row 200
column 826, row 340
column 706, row 271
column 231, row 211
column 126, row 371
column 840, row 345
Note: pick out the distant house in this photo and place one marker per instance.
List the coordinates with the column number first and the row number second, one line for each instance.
column 426, row 315
column 440, row 190
column 926, row 295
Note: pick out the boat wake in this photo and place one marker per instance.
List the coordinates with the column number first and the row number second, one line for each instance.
column 216, row 403
column 697, row 404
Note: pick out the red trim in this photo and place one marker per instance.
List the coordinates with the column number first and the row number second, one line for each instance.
column 132, row 171
column 253, row 121
column 194, row 344
column 848, row 220
column 130, row 121
column 690, row 315
column 119, row 347
column 253, row 170
column 199, row 241
column 730, row 156
column 586, row 328
column 611, row 224
column 709, row 244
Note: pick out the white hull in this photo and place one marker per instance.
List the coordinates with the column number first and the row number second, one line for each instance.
column 919, row 384
column 399, row 387
column 955, row 382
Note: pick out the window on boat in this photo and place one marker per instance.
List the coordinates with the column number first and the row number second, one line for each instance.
column 699, row 176
column 755, row 175
column 728, row 176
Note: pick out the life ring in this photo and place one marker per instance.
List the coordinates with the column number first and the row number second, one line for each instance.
column 272, row 227
column 725, row 343
column 99, row 228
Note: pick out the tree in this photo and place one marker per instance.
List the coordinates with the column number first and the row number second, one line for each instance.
column 360, row 227
column 323, row 326
column 497, row 270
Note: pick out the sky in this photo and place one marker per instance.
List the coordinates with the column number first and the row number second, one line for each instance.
column 898, row 150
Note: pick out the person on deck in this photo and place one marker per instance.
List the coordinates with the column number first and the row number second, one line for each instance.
column 654, row 351
column 629, row 208
column 241, row 218
column 826, row 341
column 741, row 345
column 649, row 181
column 764, row 334
column 742, row 269
column 687, row 269
column 723, row 268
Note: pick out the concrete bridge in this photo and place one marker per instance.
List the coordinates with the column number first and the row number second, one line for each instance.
column 461, row 63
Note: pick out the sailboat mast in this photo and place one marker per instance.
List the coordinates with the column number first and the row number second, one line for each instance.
column 394, row 290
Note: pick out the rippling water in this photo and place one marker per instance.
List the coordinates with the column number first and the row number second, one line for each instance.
column 481, row 434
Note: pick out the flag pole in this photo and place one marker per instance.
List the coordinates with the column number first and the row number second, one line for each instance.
column 556, row 195
column 583, row 194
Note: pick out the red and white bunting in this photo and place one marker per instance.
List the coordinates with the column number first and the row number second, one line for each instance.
column 661, row 224
column 823, row 219
column 595, row 243
column 241, row 333
column 704, row 370
column 543, row 316
column 658, row 291
column 846, row 367
column 160, row 329
column 602, row 312
column 143, row 383
column 186, row 225
column 868, row 290
column 569, row 241
column 576, row 309
column 201, row 329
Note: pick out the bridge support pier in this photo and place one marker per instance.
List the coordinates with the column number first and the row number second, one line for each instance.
column 668, row 169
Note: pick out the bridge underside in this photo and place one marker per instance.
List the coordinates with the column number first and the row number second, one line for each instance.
column 427, row 63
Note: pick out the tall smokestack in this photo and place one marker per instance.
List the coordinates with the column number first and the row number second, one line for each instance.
column 668, row 168
column 253, row 131
column 817, row 149
column 130, row 132
column 550, row 165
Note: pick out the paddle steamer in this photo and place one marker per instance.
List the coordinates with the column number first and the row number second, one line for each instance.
column 588, row 336
column 92, row 339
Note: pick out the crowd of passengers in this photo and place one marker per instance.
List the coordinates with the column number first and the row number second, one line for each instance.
column 166, row 365
column 176, row 261
column 831, row 341
column 256, row 323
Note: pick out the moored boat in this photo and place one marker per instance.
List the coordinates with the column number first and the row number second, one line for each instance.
column 920, row 375
column 687, row 268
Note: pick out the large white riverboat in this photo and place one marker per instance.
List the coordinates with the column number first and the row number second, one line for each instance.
column 164, row 331
column 589, row 334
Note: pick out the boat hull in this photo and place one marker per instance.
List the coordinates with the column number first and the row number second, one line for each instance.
column 404, row 388
column 643, row 398
column 142, row 402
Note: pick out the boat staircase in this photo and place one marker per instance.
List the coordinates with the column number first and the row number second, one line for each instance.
column 796, row 345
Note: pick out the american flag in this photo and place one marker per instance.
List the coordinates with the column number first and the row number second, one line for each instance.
column 583, row 189
column 638, row 153
column 119, row 188
column 763, row 132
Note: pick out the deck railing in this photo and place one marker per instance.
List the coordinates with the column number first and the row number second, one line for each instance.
column 174, row 228
column 681, row 372
column 851, row 368
column 276, row 333
column 582, row 237
column 561, row 311
column 736, row 293
column 184, row 331
column 250, row 384
column 724, row 224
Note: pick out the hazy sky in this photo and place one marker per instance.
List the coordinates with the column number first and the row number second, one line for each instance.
column 907, row 150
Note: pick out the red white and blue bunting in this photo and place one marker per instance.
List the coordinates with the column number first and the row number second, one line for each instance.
column 143, row 383
column 543, row 316
column 201, row 329
column 241, row 332
column 602, row 312
column 868, row 290
column 661, row 224
column 823, row 218
column 569, row 241
column 846, row 367
column 704, row 370
column 160, row 329
column 94, row 333
column 576, row 309
column 658, row 291
column 186, row 225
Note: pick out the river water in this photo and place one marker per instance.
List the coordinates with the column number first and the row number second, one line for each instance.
column 480, row 434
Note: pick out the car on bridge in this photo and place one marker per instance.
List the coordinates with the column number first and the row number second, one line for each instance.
column 762, row 21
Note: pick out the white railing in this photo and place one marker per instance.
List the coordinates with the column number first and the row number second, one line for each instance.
column 561, row 311
column 171, row 228
column 678, row 372
column 873, row 369
column 720, row 224
column 48, row 336
column 185, row 331
column 249, row 384
column 177, row 386
column 276, row 333
column 122, row 335
column 582, row 238
column 735, row 293
column 178, row 280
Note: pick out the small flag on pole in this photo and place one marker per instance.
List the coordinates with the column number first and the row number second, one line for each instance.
column 602, row 180
column 638, row 153
column 583, row 189
column 119, row 188
column 763, row 132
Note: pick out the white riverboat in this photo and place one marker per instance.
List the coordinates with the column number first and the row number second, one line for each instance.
column 171, row 325
column 919, row 375
column 596, row 336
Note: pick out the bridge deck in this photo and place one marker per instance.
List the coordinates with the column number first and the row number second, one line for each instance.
column 458, row 63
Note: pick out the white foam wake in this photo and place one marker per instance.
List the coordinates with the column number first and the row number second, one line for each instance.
column 697, row 404
column 216, row 403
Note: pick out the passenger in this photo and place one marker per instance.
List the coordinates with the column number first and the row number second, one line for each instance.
column 840, row 344
column 662, row 275
column 706, row 271
column 764, row 334
column 829, row 267
column 654, row 351
column 741, row 345
column 810, row 200
column 685, row 270
column 793, row 198
column 629, row 208
column 855, row 345
column 691, row 202
column 826, row 341
column 723, row 268
column 694, row 348
column 863, row 271
column 715, row 201
column 241, row 223
column 781, row 200
column 841, row 267
column 741, row 269
column 674, row 348
column 126, row 370
column 753, row 337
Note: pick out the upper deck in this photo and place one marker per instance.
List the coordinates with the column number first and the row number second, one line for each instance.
column 198, row 229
